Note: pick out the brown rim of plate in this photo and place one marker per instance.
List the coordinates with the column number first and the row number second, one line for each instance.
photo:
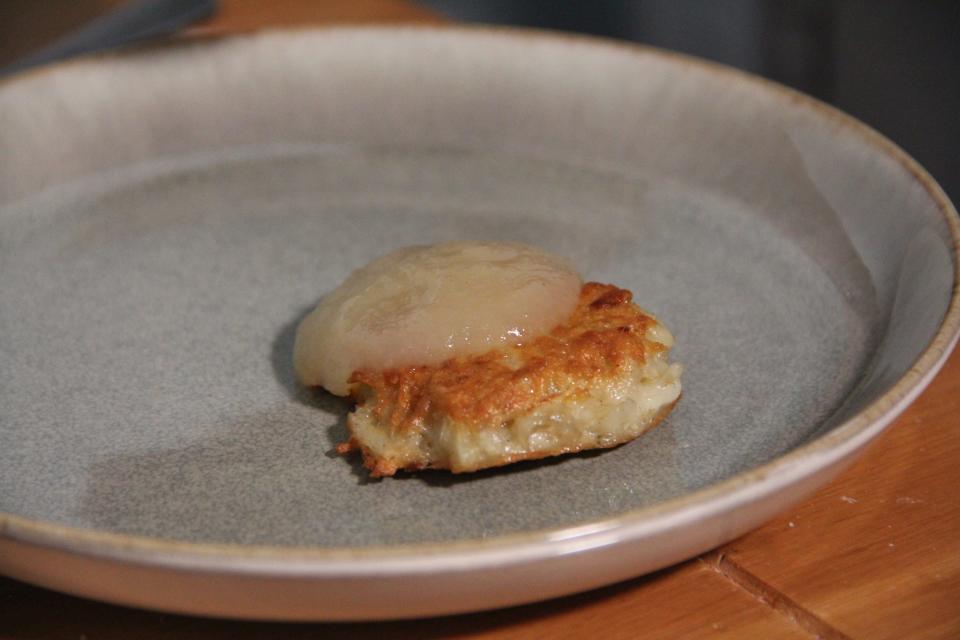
column 545, row 542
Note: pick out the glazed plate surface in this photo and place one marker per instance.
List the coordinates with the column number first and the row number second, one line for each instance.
column 167, row 216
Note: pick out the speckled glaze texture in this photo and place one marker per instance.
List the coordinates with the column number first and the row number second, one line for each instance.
column 167, row 217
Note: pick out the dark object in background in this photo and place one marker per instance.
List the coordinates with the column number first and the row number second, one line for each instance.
column 130, row 22
column 895, row 64
column 28, row 25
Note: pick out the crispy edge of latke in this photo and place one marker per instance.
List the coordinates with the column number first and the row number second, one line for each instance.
column 383, row 467
column 594, row 297
column 605, row 332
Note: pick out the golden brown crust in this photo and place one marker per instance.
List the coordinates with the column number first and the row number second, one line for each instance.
column 379, row 467
column 606, row 332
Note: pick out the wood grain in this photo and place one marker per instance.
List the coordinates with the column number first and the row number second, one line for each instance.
column 689, row 601
column 876, row 554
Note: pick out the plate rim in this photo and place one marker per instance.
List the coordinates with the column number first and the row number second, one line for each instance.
column 846, row 439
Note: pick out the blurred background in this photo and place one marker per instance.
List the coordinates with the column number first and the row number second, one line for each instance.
column 895, row 64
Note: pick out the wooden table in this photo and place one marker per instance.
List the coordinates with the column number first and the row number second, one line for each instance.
column 874, row 555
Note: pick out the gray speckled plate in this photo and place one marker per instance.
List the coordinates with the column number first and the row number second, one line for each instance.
column 167, row 215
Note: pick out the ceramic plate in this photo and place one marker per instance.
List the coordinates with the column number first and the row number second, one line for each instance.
column 167, row 215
